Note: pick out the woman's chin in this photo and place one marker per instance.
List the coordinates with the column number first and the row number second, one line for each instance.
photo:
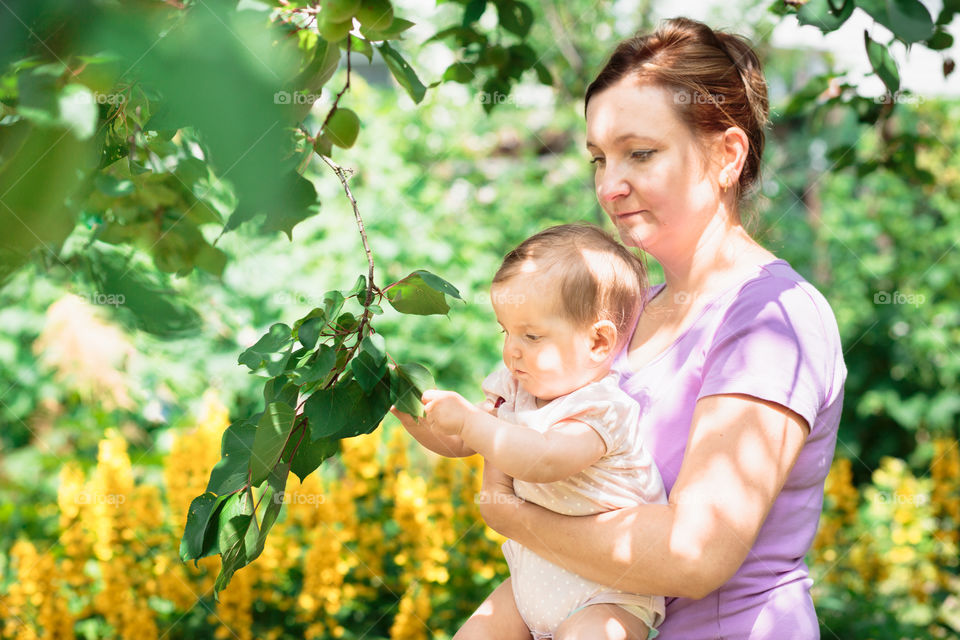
column 635, row 235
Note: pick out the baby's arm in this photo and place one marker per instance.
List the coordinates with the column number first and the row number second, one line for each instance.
column 451, row 446
column 521, row 452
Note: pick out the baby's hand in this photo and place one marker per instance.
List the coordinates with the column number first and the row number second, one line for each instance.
column 445, row 411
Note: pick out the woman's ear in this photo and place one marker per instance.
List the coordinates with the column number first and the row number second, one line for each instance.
column 603, row 340
column 733, row 150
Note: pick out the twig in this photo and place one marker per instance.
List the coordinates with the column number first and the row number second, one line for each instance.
column 365, row 318
column 342, row 174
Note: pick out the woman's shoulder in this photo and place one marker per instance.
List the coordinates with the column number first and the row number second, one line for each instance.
column 780, row 310
column 779, row 291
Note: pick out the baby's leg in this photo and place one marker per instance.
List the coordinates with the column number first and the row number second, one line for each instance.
column 496, row 618
column 606, row 621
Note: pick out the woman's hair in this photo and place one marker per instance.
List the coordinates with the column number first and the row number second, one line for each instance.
column 597, row 277
column 715, row 76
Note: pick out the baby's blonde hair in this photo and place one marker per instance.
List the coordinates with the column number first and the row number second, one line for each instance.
column 599, row 278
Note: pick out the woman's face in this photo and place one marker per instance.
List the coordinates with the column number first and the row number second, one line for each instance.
column 651, row 175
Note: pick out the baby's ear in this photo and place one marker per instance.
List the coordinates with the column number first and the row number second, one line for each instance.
column 604, row 340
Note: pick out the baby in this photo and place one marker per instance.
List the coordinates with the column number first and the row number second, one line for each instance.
column 556, row 420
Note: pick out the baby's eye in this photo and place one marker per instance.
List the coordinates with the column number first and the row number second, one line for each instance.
column 532, row 337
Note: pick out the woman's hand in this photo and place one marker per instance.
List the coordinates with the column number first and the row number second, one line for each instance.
column 445, row 412
column 497, row 499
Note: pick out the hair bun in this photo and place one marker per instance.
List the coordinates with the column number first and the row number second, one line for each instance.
column 745, row 59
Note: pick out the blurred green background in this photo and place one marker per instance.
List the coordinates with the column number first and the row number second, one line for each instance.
column 143, row 150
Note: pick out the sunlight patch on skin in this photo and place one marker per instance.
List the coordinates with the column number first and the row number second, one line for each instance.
column 613, row 630
column 623, row 547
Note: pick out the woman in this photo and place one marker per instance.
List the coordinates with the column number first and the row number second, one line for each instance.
column 736, row 360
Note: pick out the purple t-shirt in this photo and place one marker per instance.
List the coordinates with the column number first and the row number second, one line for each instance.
column 772, row 336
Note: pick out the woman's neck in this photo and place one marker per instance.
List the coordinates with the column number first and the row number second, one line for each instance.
column 723, row 251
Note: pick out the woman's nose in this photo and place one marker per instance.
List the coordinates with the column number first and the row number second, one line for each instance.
column 611, row 184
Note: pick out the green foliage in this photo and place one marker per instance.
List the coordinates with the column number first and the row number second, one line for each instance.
column 343, row 374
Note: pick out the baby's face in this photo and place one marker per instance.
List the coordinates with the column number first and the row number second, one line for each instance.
column 544, row 351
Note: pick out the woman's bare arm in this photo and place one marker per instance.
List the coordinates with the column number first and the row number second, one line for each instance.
column 738, row 456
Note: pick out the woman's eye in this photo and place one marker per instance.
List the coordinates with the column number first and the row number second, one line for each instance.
column 642, row 155
column 596, row 160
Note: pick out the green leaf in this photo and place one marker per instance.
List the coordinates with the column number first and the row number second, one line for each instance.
column 345, row 410
column 250, row 148
column 909, row 20
column 309, row 331
column 516, row 17
column 41, row 168
column 409, row 383
column 311, row 453
column 279, row 389
column 882, row 63
column 361, row 46
column 276, row 484
column 370, row 363
column 826, row 15
column 940, row 40
column 202, row 510
column 271, row 348
column 237, row 537
column 543, row 74
column 473, row 11
column 272, row 432
column 398, row 26
column 113, row 187
column 359, row 289
column 332, row 303
column 301, row 203
column 326, row 57
column 421, row 293
column 318, row 368
column 231, row 472
column 211, row 259
column 439, row 284
column 402, row 72
column 461, row 72
column 141, row 291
